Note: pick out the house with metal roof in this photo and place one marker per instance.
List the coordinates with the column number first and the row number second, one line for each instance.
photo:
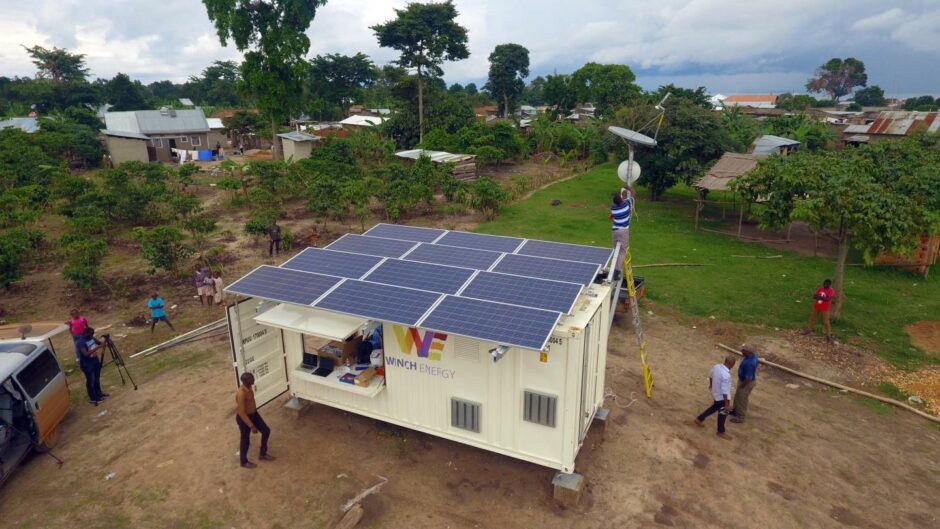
column 891, row 124
column 297, row 145
column 362, row 121
column 754, row 101
column 28, row 125
column 154, row 135
column 769, row 144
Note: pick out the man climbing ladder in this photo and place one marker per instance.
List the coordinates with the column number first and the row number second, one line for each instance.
column 620, row 213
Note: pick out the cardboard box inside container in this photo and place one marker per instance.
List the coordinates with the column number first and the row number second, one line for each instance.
column 349, row 349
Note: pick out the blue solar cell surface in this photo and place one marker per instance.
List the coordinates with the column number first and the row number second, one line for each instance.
column 280, row 284
column 371, row 245
column 567, row 252
column 424, row 276
column 496, row 322
column 479, row 241
column 524, row 291
column 453, row 256
column 342, row 264
column 380, row 302
column 525, row 265
column 405, row 233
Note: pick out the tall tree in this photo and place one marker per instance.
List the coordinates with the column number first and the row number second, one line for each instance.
column 426, row 35
column 340, row 79
column 216, row 85
column 272, row 35
column 879, row 197
column 872, row 96
column 125, row 94
column 559, row 93
column 838, row 77
column 58, row 65
column 608, row 86
column 509, row 66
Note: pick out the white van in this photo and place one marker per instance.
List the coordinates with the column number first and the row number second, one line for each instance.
column 34, row 399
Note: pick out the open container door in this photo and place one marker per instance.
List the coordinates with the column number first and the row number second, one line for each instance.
column 257, row 349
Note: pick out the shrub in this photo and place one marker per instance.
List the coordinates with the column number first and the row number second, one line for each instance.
column 287, row 239
column 257, row 227
column 488, row 155
column 162, row 247
column 83, row 262
column 200, row 225
column 487, row 196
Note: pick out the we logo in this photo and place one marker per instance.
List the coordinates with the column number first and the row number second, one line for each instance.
column 430, row 346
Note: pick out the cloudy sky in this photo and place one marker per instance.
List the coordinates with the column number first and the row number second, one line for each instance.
column 725, row 45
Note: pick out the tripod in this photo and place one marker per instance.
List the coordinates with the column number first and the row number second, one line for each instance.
column 117, row 360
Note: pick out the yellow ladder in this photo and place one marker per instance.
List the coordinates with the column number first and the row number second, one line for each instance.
column 637, row 325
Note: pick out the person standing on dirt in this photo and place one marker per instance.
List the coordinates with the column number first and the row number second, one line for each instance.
column 747, row 379
column 77, row 324
column 203, row 280
column 157, row 311
column 218, row 288
column 249, row 421
column 719, row 381
column 620, row 212
column 274, row 235
column 824, row 296
column 90, row 362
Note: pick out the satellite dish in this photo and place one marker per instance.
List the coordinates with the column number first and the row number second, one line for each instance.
column 632, row 136
column 627, row 175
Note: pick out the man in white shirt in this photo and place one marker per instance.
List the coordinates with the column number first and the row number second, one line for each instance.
column 719, row 381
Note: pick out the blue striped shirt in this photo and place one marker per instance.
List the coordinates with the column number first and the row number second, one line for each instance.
column 621, row 214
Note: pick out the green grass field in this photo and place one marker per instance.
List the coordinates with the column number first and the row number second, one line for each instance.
column 770, row 292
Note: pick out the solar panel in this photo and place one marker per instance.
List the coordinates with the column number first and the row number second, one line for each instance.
column 566, row 252
column 496, row 322
column 524, row 291
column 380, row 302
column 329, row 262
column 525, row 265
column 371, row 245
column 453, row 256
column 424, row 276
column 280, row 284
column 493, row 243
column 405, row 233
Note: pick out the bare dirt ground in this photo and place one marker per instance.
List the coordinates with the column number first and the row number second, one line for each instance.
column 807, row 457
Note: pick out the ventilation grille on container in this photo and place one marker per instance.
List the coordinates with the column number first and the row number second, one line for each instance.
column 539, row 408
column 467, row 349
column 465, row 415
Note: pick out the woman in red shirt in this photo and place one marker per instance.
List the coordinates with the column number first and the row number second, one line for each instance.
column 77, row 325
column 823, row 297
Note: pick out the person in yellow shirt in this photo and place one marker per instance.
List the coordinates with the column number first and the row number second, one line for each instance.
column 249, row 421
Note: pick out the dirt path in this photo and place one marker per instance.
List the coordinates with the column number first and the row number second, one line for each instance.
column 808, row 457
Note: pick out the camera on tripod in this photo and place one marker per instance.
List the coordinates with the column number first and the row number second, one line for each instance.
column 117, row 360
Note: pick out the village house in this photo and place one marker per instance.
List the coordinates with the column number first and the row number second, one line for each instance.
column 151, row 135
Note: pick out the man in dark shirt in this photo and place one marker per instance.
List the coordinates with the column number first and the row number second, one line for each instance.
column 274, row 234
column 747, row 379
column 90, row 362
column 249, row 421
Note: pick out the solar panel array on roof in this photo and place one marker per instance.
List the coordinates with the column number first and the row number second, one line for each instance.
column 495, row 322
column 493, row 243
column 423, row 276
column 381, row 302
column 557, row 270
column 405, row 233
column 567, row 252
column 371, row 245
column 453, row 256
column 332, row 263
column 506, row 290
column 523, row 291
column 281, row 284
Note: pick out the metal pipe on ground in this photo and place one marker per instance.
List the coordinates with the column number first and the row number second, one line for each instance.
column 836, row 385
column 181, row 338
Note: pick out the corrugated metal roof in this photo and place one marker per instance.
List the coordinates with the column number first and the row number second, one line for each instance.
column 769, row 144
column 124, row 134
column 187, row 102
column 215, row 123
column 897, row 123
column 29, row 125
column 750, row 99
column 362, row 121
column 435, row 156
column 731, row 165
column 157, row 122
column 298, row 136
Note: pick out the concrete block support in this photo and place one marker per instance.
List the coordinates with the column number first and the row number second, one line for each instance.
column 568, row 488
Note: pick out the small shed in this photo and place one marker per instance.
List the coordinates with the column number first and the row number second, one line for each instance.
column 362, row 121
column 465, row 165
column 127, row 146
column 769, row 144
column 731, row 165
column 297, row 145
